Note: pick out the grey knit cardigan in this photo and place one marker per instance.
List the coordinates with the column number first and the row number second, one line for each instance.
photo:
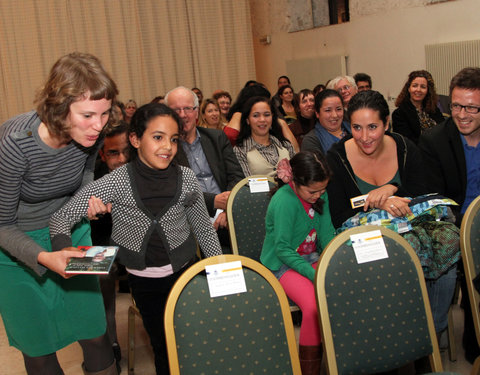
column 180, row 223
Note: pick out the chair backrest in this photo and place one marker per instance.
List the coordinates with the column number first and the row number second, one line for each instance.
column 246, row 333
column 470, row 245
column 374, row 316
column 246, row 213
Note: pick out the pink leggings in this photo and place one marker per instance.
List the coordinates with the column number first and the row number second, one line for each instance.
column 301, row 291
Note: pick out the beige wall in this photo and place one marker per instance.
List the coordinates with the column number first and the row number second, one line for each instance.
column 387, row 45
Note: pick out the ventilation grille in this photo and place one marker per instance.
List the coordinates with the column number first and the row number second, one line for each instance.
column 445, row 60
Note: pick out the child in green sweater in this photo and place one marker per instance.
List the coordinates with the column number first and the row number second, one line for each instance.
column 298, row 227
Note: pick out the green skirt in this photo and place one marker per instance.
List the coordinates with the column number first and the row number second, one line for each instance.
column 43, row 314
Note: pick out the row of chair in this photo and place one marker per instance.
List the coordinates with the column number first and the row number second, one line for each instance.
column 376, row 319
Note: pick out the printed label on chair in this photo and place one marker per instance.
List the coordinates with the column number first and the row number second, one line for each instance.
column 225, row 278
column 369, row 246
column 258, row 185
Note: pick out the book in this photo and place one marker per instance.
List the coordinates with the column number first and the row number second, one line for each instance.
column 97, row 261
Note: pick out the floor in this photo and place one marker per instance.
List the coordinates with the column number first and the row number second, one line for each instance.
column 11, row 361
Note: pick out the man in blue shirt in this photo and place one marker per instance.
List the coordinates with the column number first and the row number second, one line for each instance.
column 452, row 156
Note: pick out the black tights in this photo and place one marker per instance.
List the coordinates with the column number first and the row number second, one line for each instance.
column 97, row 355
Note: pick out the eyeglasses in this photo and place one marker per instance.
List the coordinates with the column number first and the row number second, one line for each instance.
column 473, row 109
column 187, row 110
column 344, row 88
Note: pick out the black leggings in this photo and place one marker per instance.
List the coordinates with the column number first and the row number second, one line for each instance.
column 97, row 355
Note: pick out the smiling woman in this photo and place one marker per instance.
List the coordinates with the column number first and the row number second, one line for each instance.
column 417, row 106
column 261, row 144
column 45, row 156
column 388, row 168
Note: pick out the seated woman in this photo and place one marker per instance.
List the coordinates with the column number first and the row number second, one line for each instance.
column 130, row 108
column 298, row 227
column 305, row 110
column 387, row 167
column 417, row 106
column 233, row 127
column 330, row 127
column 286, row 108
column 260, row 144
column 210, row 115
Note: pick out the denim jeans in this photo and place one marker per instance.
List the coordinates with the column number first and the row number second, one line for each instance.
column 440, row 293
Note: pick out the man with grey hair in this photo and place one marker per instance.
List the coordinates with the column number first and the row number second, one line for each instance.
column 209, row 154
column 346, row 86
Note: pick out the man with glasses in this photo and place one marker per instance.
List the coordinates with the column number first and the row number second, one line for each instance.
column 452, row 156
column 209, row 154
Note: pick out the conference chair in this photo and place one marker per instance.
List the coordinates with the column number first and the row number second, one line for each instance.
column 470, row 246
column 242, row 333
column 374, row 316
column 246, row 213
column 246, row 218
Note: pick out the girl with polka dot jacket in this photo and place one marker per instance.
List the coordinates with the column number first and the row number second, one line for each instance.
column 158, row 213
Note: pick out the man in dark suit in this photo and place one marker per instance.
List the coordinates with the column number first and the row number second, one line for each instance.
column 452, row 155
column 209, row 154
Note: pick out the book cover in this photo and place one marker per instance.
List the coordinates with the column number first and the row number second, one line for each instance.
column 98, row 260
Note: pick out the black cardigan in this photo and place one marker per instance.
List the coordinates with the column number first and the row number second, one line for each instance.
column 405, row 120
column 343, row 185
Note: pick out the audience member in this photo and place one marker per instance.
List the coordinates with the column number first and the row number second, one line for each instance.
column 158, row 214
column 130, row 108
column 363, row 81
column 305, row 110
column 452, row 155
column 209, row 153
column 417, row 106
column 261, row 144
column 45, row 156
column 233, row 127
column 386, row 167
column 318, row 88
column 330, row 127
column 210, row 116
column 346, row 86
column 158, row 99
column 286, row 107
column 224, row 101
column 118, row 109
column 281, row 81
column 199, row 94
column 113, row 154
column 298, row 227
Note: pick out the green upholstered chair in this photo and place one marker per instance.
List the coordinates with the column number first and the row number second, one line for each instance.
column 470, row 245
column 244, row 333
column 246, row 218
column 374, row 316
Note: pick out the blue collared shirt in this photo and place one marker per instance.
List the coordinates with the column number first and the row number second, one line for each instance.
column 472, row 160
column 199, row 164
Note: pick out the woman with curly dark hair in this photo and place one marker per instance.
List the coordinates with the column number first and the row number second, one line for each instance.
column 417, row 106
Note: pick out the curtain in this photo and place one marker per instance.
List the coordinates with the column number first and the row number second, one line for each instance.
column 148, row 46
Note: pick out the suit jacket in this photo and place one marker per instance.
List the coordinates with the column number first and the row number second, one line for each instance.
column 222, row 161
column 444, row 158
column 405, row 120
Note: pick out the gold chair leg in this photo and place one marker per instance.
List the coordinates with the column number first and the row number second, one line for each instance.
column 452, row 348
column 131, row 340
